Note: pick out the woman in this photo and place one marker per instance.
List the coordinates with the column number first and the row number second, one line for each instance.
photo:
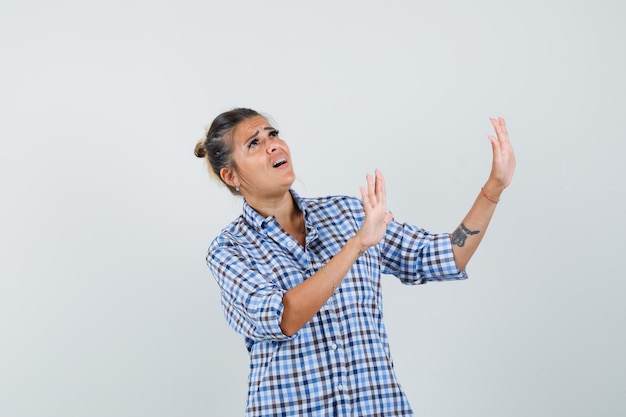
column 300, row 277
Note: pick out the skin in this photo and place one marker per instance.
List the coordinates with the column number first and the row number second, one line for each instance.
column 257, row 148
column 481, row 212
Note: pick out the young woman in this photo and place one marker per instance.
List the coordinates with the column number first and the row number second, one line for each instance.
column 300, row 277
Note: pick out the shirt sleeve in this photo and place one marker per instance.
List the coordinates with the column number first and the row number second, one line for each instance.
column 416, row 256
column 251, row 302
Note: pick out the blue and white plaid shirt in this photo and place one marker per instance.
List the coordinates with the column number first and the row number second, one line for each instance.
column 339, row 363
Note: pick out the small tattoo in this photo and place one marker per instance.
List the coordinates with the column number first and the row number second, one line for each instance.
column 460, row 235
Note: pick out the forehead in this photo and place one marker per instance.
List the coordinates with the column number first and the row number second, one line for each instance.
column 249, row 127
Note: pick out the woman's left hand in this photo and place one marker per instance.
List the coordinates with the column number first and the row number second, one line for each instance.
column 503, row 163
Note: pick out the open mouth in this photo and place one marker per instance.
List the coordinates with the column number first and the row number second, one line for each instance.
column 280, row 162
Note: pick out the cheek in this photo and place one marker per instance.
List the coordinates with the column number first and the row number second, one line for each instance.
column 247, row 166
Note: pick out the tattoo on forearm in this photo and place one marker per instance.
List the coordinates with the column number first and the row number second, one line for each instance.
column 460, row 235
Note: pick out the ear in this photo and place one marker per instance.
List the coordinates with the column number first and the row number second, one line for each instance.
column 229, row 176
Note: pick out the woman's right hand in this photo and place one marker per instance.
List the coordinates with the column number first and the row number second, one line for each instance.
column 376, row 216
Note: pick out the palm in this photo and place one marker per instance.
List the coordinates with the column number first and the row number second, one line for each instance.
column 503, row 163
column 375, row 207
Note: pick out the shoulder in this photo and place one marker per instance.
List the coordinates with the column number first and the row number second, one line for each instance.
column 335, row 210
column 232, row 235
column 341, row 203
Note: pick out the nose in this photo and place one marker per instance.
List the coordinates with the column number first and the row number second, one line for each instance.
column 272, row 146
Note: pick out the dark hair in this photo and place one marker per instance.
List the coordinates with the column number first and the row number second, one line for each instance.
column 217, row 147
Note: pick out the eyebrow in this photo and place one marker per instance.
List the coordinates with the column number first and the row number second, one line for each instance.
column 257, row 134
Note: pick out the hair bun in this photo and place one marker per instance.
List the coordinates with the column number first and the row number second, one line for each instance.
column 200, row 151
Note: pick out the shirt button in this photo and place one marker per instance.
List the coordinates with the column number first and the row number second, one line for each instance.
column 333, row 346
column 339, row 387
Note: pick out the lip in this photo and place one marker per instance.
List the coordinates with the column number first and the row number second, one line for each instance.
column 274, row 161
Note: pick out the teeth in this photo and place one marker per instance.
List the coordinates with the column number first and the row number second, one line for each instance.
column 280, row 162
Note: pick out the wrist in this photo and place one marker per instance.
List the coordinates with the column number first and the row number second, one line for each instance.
column 355, row 247
column 492, row 191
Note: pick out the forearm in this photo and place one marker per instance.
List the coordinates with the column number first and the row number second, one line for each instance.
column 469, row 234
column 303, row 301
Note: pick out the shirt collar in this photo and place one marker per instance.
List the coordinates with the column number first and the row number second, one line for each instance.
column 253, row 218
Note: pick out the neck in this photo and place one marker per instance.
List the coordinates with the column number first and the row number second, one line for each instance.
column 287, row 214
column 282, row 207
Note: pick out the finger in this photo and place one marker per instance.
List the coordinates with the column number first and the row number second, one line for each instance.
column 364, row 196
column 505, row 133
column 495, row 144
column 371, row 190
column 381, row 188
column 502, row 123
column 501, row 136
column 496, row 126
column 500, row 127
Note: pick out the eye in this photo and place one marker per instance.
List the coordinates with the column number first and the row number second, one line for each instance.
column 273, row 133
column 253, row 143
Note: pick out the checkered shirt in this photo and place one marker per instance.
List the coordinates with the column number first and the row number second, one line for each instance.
column 339, row 363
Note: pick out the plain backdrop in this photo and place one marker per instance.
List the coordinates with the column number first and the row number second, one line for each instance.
column 107, row 307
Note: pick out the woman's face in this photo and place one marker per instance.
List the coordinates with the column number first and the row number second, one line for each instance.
column 262, row 160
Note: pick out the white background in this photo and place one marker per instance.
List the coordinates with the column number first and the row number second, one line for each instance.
column 107, row 307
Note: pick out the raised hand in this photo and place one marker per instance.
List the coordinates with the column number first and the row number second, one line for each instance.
column 503, row 163
column 376, row 216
